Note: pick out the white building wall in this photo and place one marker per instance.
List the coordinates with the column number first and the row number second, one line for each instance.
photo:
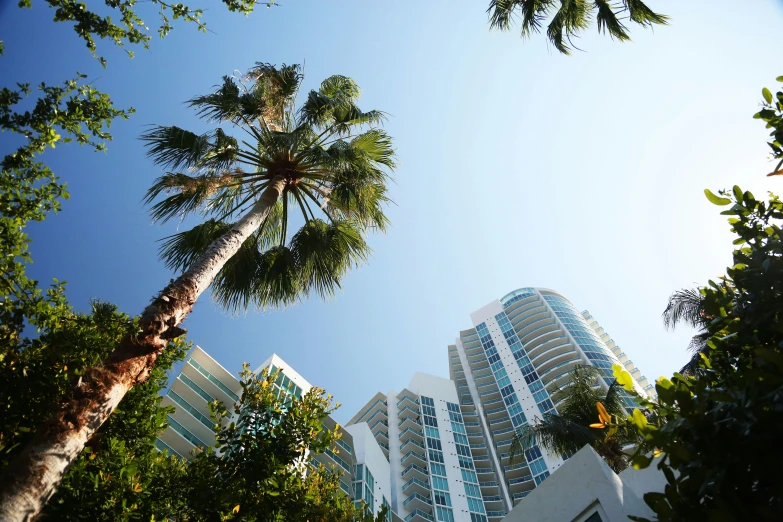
column 370, row 455
column 441, row 391
column 583, row 486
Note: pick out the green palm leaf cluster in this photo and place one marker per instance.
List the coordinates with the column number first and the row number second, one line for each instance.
column 568, row 18
column 567, row 431
column 687, row 306
column 327, row 161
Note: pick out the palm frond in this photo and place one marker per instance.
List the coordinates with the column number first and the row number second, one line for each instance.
column 686, row 306
column 178, row 251
column 277, row 279
column 325, row 252
column 222, row 105
column 377, row 146
column 643, row 15
column 175, row 148
column 608, row 22
column 189, row 194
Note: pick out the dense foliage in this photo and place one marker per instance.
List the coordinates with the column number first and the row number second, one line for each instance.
column 567, row 431
column 261, row 468
column 45, row 348
column 772, row 113
column 719, row 430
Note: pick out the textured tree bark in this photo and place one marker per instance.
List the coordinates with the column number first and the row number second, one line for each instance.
column 33, row 476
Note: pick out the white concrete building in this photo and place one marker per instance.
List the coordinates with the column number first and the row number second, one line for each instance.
column 585, row 489
column 200, row 381
column 435, row 474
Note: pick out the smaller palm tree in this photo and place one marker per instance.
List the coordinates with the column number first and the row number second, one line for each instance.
column 687, row 306
column 571, row 17
column 566, row 432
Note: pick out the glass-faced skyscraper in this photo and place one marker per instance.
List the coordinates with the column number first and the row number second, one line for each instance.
column 520, row 349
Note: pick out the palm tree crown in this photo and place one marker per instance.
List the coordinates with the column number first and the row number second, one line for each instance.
column 571, row 17
column 326, row 158
column 567, row 431
column 687, row 306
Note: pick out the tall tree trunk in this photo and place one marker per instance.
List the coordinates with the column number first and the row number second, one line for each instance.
column 34, row 474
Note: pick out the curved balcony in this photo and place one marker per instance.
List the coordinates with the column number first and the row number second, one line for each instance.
column 414, row 485
column 417, row 501
column 419, row 516
column 548, row 341
column 499, row 422
column 553, row 359
column 414, row 457
column 522, row 311
column 409, row 444
column 380, row 424
column 520, row 469
column 411, row 433
column 407, row 400
column 496, row 514
column 494, row 502
column 490, row 394
column 415, row 471
column 531, row 323
column 519, row 484
column 503, row 434
column 407, row 410
column 409, row 422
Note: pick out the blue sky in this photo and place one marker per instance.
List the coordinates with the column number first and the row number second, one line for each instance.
column 518, row 167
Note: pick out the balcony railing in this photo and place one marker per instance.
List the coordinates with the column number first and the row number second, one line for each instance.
column 182, row 430
column 214, row 380
column 203, row 419
column 414, row 442
column 415, row 467
column 488, row 484
column 414, row 480
column 416, row 496
column 419, row 513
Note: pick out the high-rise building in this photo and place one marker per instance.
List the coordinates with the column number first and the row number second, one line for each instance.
column 520, row 350
column 436, row 470
column 449, row 441
column 636, row 373
column 361, row 463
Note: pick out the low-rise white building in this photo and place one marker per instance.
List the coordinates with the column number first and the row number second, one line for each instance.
column 585, row 489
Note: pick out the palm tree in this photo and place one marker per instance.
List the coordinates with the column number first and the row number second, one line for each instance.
column 567, row 431
column 571, row 17
column 687, row 306
column 327, row 158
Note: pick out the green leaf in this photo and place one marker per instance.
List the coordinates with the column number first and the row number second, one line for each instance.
column 767, row 95
column 716, row 200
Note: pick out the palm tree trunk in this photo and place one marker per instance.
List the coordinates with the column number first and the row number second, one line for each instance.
column 33, row 476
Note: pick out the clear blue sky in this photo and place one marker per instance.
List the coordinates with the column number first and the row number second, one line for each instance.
column 518, row 167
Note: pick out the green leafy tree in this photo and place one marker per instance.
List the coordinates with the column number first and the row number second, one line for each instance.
column 772, row 113
column 262, row 466
column 718, row 430
column 569, row 18
column 567, row 431
column 122, row 24
column 327, row 159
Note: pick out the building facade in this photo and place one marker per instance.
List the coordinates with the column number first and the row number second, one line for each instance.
column 436, row 474
column 506, row 368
